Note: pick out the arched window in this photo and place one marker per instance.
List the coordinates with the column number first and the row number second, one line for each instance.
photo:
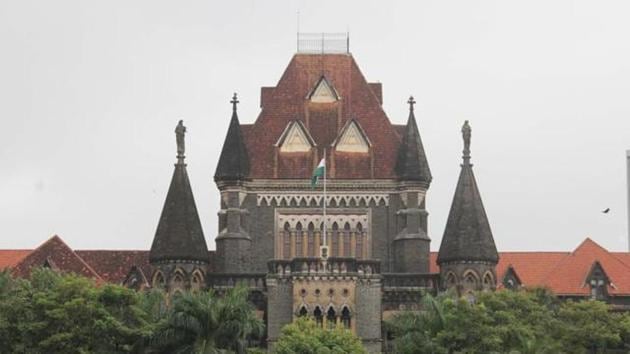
column 303, row 311
column 286, row 239
column 346, row 240
column 298, row 240
column 158, row 280
column 451, row 281
column 335, row 241
column 177, row 282
column 319, row 316
column 470, row 280
column 331, row 318
column 310, row 243
column 196, row 282
column 488, row 281
column 345, row 317
column 359, row 236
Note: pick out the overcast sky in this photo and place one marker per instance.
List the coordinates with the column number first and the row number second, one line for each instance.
column 90, row 93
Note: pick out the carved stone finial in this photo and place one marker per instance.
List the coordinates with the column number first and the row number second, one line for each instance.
column 466, row 133
column 180, row 132
column 411, row 102
column 234, row 102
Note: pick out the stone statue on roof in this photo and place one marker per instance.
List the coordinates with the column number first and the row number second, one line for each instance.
column 466, row 133
column 180, row 132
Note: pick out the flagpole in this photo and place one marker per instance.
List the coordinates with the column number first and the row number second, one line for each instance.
column 325, row 246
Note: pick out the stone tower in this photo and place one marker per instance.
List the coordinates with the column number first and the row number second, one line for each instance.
column 468, row 255
column 411, row 244
column 179, row 253
column 233, row 241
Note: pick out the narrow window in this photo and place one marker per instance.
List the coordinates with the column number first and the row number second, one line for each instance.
column 345, row 317
column 346, row 240
column 335, row 241
column 311, row 240
column 319, row 316
column 298, row 240
column 331, row 318
column 359, row 250
column 286, row 249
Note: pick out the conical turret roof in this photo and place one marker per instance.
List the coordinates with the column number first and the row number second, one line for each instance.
column 234, row 162
column 467, row 236
column 412, row 162
column 179, row 235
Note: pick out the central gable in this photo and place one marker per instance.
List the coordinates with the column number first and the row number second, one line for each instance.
column 323, row 93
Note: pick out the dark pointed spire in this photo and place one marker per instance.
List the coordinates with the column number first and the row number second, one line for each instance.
column 412, row 162
column 467, row 236
column 179, row 236
column 234, row 162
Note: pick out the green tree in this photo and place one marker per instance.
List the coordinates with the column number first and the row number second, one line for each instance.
column 305, row 337
column 589, row 326
column 203, row 322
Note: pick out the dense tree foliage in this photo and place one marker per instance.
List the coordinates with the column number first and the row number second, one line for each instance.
column 306, row 337
column 522, row 322
column 55, row 313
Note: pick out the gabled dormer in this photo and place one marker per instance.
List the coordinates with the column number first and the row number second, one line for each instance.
column 295, row 138
column 511, row 280
column 598, row 281
column 323, row 92
column 352, row 138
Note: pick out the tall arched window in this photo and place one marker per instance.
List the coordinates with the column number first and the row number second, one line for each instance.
column 286, row 240
column 310, row 242
column 331, row 318
column 303, row 311
column 335, row 241
column 488, row 281
column 196, row 282
column 298, row 240
column 359, row 236
column 346, row 240
column 345, row 317
column 470, row 280
column 158, row 280
column 319, row 316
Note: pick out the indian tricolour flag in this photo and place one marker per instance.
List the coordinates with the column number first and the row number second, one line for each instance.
column 319, row 172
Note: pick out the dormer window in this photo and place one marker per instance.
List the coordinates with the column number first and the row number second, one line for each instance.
column 323, row 92
column 295, row 138
column 352, row 139
column 511, row 279
column 598, row 282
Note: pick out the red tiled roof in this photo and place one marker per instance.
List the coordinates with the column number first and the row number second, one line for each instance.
column 286, row 102
column 113, row 265
column 564, row 273
column 9, row 258
column 55, row 251
column 530, row 267
column 568, row 277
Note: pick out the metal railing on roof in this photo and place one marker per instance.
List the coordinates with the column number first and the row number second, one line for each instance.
column 323, row 43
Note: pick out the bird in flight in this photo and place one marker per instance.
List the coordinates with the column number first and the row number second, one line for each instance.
column 605, row 211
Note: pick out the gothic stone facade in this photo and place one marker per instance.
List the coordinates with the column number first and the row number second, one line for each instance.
column 272, row 224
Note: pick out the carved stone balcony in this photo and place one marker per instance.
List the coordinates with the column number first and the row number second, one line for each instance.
column 315, row 266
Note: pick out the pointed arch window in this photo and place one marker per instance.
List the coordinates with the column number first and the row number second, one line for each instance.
column 295, row 138
column 331, row 318
column 158, row 280
column 311, row 240
column 335, row 241
column 345, row 317
column 352, row 139
column 319, row 316
column 359, row 241
column 286, row 241
column 298, row 240
column 303, row 311
column 346, row 240
column 470, row 280
column 323, row 92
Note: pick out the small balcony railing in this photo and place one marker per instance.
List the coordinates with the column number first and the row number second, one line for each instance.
column 411, row 280
column 254, row 281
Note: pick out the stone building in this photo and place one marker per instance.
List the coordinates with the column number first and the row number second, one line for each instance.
column 272, row 225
